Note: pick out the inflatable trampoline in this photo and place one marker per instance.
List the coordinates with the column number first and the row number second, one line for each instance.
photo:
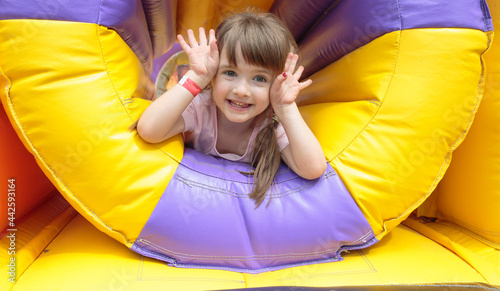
column 398, row 88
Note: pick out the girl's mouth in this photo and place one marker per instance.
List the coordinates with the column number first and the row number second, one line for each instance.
column 238, row 105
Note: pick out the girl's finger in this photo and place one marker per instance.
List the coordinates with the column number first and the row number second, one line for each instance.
column 211, row 35
column 214, row 52
column 192, row 39
column 183, row 43
column 281, row 78
column 299, row 72
column 305, row 84
column 203, row 37
column 293, row 63
column 287, row 63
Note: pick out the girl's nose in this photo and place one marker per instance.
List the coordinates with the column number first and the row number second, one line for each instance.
column 241, row 90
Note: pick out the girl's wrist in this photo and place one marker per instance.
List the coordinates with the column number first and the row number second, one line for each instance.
column 286, row 110
column 200, row 81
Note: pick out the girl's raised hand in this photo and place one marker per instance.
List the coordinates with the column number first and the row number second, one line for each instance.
column 286, row 87
column 203, row 56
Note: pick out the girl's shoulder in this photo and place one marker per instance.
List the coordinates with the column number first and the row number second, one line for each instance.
column 200, row 112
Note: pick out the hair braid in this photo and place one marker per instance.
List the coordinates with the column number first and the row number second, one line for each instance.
column 266, row 160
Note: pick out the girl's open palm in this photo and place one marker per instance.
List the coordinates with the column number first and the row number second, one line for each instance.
column 286, row 87
column 203, row 56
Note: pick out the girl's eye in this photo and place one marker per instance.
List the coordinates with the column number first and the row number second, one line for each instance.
column 260, row 79
column 230, row 73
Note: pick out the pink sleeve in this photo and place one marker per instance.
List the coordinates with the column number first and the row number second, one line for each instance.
column 193, row 115
column 281, row 137
column 189, row 116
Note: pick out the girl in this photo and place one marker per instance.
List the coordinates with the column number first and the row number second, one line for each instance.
column 248, row 65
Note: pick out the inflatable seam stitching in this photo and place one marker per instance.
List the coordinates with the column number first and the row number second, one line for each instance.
column 140, row 276
column 327, row 11
column 362, row 239
column 8, row 85
column 108, row 74
column 384, row 232
column 488, row 25
column 219, row 168
column 194, row 183
column 456, row 224
column 224, row 169
column 99, row 13
column 467, row 225
column 371, row 269
column 165, row 153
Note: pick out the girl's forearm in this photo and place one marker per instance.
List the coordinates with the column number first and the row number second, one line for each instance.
column 162, row 116
column 308, row 159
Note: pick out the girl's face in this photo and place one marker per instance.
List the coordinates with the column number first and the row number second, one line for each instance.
column 241, row 92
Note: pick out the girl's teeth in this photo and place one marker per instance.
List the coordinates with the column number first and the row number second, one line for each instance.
column 239, row 104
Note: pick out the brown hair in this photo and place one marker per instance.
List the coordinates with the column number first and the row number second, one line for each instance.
column 264, row 41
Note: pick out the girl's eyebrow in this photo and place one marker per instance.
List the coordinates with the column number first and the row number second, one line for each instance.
column 225, row 66
column 265, row 71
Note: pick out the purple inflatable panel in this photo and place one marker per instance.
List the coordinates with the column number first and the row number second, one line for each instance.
column 208, row 221
column 328, row 30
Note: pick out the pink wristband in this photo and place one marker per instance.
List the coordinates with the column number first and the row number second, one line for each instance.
column 190, row 85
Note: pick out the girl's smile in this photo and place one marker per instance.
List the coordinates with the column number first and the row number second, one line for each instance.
column 236, row 105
